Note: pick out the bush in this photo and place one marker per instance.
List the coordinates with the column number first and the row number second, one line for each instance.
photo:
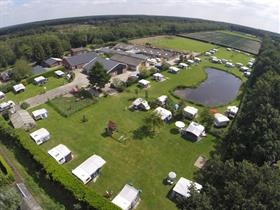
column 24, row 105
column 131, row 80
column 119, row 85
column 144, row 73
column 6, row 173
column 7, row 87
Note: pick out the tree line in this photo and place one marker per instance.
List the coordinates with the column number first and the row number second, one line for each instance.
column 242, row 173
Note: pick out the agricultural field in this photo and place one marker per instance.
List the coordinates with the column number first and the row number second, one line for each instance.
column 234, row 40
column 142, row 160
column 175, row 43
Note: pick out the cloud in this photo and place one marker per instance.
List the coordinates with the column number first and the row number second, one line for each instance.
column 255, row 13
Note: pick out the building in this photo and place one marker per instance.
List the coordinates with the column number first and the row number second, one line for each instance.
column 112, row 67
column 38, row 70
column 162, row 99
column 59, row 73
column 40, row 136
column 52, row 62
column 232, row 111
column 78, row 51
column 6, row 105
column 220, row 120
column 164, row 114
column 173, row 70
column 40, row 80
column 79, row 60
column 22, row 119
column 60, row 153
column 89, row 169
column 158, row 77
column 144, row 83
column 183, row 187
column 190, row 112
column 193, row 132
column 19, row 88
column 40, row 114
column 133, row 63
column 128, row 198
column 140, row 104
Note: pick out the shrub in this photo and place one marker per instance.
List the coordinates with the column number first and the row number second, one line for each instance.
column 7, row 87
column 24, row 105
column 119, row 85
column 131, row 80
column 144, row 73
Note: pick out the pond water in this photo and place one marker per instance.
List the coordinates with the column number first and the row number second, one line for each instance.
column 219, row 89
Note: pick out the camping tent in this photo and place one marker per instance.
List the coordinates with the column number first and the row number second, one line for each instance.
column 158, row 77
column 60, row 153
column 183, row 186
column 144, row 83
column 232, row 111
column 194, row 131
column 190, row 112
column 40, row 136
column 140, row 103
column 220, row 120
column 173, row 69
column 127, row 198
column 164, row 114
column 89, row 169
column 18, row 88
column 162, row 99
column 40, row 80
column 40, row 114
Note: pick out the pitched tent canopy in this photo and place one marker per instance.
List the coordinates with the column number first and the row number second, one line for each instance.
column 40, row 136
column 184, row 185
column 60, row 153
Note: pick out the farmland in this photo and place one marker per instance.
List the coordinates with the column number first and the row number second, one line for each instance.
column 228, row 39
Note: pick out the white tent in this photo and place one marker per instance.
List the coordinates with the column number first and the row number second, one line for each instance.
column 194, row 131
column 127, row 198
column 2, row 95
column 190, row 112
column 164, row 114
column 59, row 73
column 220, row 120
column 18, row 88
column 229, row 64
column 196, row 59
column 190, row 61
column 40, row 114
column 6, row 105
column 60, row 153
column 247, row 74
column 40, row 136
column 173, row 69
column 183, row 186
column 244, row 68
column 144, row 83
column 140, row 103
column 40, row 80
column 183, row 65
column 158, row 76
column 207, row 53
column 232, row 111
column 89, row 169
column 162, row 99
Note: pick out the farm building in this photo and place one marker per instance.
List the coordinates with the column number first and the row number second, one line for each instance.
column 194, row 131
column 144, row 83
column 59, row 73
column 6, row 105
column 78, row 51
column 162, row 99
column 190, row 112
column 220, row 120
column 182, row 188
column 158, row 76
column 22, row 119
column 38, row 70
column 2, row 95
column 173, row 69
column 183, row 65
column 232, row 111
column 78, row 61
column 164, row 114
column 89, row 169
column 40, row 80
column 111, row 66
column 40, row 136
column 40, row 114
column 60, row 153
column 133, row 63
column 52, row 62
column 128, row 198
column 19, row 88
column 140, row 104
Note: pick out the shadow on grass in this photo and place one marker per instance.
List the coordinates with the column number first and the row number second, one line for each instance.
column 174, row 131
column 143, row 132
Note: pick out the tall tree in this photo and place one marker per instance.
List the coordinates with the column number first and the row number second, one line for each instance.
column 38, row 53
column 98, row 76
column 9, row 198
column 153, row 121
column 22, row 70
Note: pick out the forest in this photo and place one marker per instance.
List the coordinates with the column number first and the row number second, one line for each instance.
column 243, row 171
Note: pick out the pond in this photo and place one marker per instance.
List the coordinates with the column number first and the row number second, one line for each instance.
column 220, row 88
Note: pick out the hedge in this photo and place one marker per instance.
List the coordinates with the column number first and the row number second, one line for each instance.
column 7, row 171
column 45, row 74
column 56, row 172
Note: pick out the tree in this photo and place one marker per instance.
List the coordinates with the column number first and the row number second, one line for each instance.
column 98, row 76
column 38, row 53
column 153, row 121
column 22, row 70
column 9, row 198
column 207, row 119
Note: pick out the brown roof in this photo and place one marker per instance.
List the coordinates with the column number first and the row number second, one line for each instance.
column 131, row 61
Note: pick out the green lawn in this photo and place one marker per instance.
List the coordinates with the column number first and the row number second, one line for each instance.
column 33, row 90
column 177, row 43
column 240, row 34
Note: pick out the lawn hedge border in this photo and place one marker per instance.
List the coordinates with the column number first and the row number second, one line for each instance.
column 56, row 172
column 8, row 173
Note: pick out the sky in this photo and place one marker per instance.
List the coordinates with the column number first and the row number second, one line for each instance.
column 264, row 14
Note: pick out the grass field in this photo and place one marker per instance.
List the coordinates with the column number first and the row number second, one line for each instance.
column 33, row 90
column 230, row 39
column 176, row 43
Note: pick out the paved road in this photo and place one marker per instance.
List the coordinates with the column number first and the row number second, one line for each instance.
column 80, row 81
